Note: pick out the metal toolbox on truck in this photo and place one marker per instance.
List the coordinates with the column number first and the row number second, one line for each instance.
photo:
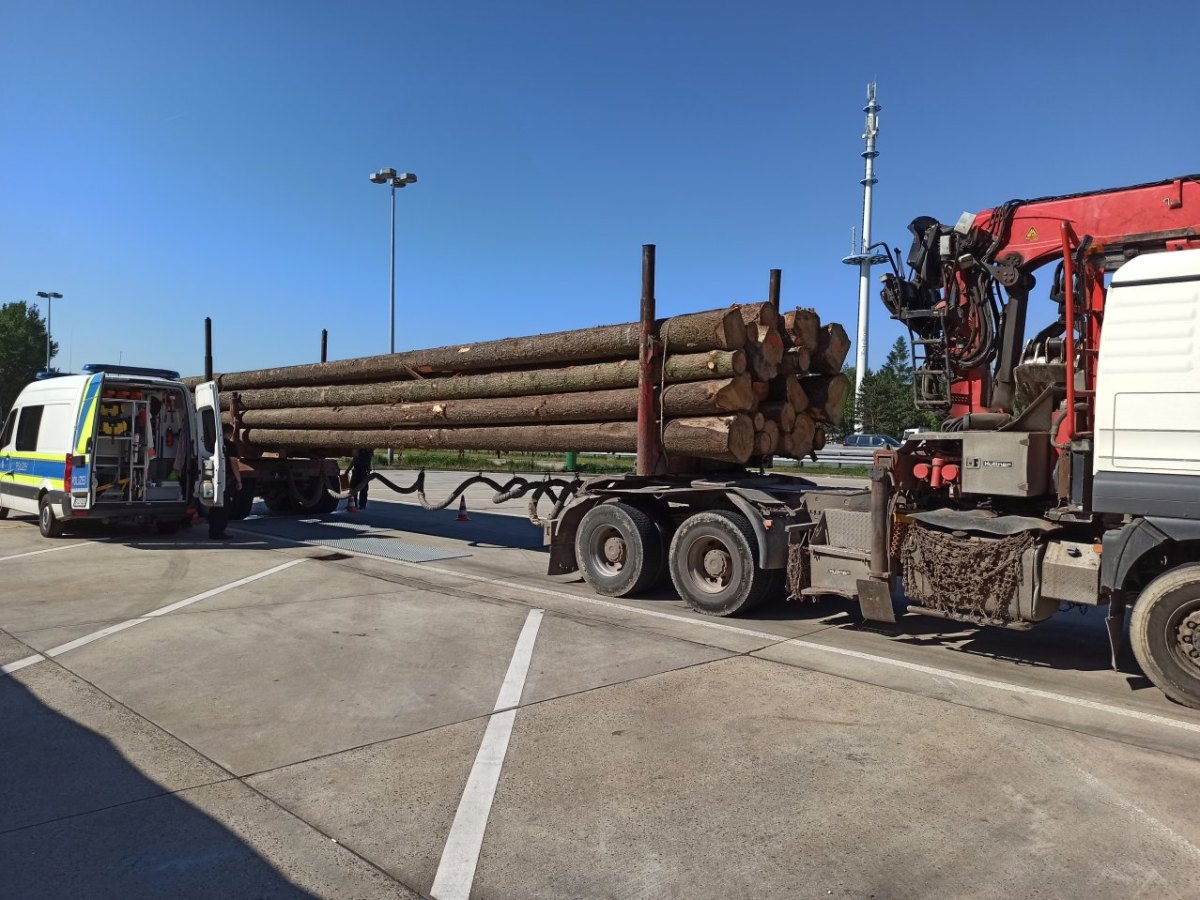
column 1006, row 463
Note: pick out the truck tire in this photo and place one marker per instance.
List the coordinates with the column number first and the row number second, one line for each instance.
column 241, row 504
column 327, row 504
column 714, row 564
column 48, row 523
column 619, row 550
column 278, row 502
column 167, row 526
column 3, row 512
column 1165, row 633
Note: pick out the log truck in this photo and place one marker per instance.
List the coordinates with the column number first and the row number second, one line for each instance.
column 1066, row 470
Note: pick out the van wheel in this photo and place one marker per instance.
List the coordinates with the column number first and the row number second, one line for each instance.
column 714, row 564
column 48, row 523
column 1165, row 633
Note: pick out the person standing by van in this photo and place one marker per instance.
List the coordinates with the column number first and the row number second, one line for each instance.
column 218, row 516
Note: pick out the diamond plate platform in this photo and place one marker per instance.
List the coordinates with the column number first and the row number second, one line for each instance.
column 342, row 535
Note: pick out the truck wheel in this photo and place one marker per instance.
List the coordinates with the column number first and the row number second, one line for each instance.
column 278, row 502
column 3, row 512
column 167, row 526
column 1165, row 633
column 48, row 523
column 327, row 504
column 619, row 549
column 714, row 564
column 242, row 503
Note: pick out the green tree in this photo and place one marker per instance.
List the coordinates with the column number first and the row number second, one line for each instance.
column 886, row 401
column 22, row 349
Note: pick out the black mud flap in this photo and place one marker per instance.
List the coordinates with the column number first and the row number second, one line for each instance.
column 875, row 601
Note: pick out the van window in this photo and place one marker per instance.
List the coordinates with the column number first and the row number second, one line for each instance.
column 9, row 424
column 27, row 428
column 55, row 433
column 208, row 422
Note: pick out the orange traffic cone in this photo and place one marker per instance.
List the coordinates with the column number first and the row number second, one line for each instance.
column 462, row 510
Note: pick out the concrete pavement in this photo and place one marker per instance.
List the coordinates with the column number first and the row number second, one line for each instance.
column 311, row 733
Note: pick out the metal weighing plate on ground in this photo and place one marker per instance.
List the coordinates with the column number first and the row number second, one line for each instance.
column 342, row 535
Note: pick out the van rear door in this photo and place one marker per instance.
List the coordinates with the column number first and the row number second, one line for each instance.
column 81, row 489
column 210, row 448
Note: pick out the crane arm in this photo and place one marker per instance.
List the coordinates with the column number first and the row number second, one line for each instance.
column 971, row 332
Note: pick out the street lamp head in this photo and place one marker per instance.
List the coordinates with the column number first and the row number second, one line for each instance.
column 49, row 295
column 383, row 176
column 377, row 178
column 404, row 178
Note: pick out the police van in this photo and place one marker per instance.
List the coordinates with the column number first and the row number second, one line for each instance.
column 117, row 442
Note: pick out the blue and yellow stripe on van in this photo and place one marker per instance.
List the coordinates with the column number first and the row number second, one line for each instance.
column 27, row 472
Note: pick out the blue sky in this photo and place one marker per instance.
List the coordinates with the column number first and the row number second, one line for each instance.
column 164, row 161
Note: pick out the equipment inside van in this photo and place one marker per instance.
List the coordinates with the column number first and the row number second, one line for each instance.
column 118, row 442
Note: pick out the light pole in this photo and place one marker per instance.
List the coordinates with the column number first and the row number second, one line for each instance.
column 389, row 176
column 48, row 296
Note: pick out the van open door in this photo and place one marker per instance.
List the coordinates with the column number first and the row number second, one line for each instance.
column 82, row 486
column 210, row 449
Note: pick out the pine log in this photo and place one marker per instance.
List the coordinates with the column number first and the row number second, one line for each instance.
column 803, row 327
column 759, row 420
column 787, row 388
column 831, row 354
column 697, row 398
column 761, row 390
column 766, row 441
column 756, row 358
column 698, row 366
column 720, row 329
column 827, row 397
column 590, row 377
column 724, row 438
column 771, row 343
column 796, row 361
column 802, row 435
column 782, row 413
column 759, row 314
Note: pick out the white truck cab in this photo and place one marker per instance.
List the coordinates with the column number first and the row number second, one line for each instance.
column 1148, row 389
column 117, row 442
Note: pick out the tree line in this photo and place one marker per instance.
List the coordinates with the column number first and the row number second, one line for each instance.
column 886, row 404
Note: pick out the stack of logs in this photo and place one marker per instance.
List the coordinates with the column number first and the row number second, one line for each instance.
column 736, row 383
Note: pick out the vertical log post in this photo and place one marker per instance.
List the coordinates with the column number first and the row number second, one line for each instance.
column 208, row 373
column 773, row 290
column 649, row 446
column 324, row 345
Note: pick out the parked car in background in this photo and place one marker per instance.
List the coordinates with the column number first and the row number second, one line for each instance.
column 871, row 440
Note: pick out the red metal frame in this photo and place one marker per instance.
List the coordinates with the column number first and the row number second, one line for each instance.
column 1163, row 215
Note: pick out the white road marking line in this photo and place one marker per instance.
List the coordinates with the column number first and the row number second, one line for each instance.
column 21, row 663
column 1000, row 685
column 148, row 617
column 456, row 871
column 47, row 550
column 802, row 642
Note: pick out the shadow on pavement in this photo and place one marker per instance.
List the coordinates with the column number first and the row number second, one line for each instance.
column 79, row 820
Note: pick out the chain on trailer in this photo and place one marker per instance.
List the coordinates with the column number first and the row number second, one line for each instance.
column 513, row 489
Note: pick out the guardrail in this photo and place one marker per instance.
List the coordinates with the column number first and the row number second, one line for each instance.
column 833, row 457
